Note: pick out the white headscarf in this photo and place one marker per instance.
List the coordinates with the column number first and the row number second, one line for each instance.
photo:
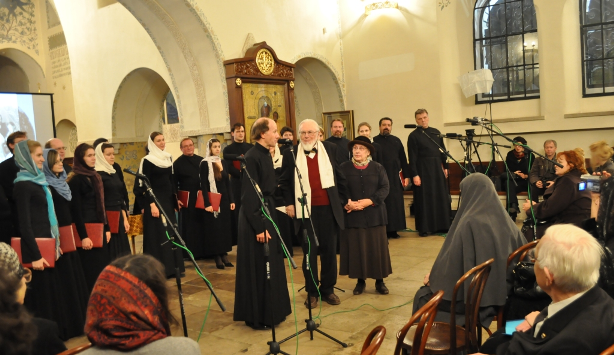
column 211, row 177
column 101, row 162
column 157, row 157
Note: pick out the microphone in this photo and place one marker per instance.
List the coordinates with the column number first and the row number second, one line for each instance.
column 283, row 141
column 448, row 135
column 476, row 120
column 140, row 176
column 410, row 126
column 238, row 157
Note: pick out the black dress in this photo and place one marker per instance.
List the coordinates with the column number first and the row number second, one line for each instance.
column 218, row 237
column 72, row 279
column 284, row 223
column 253, row 297
column 8, row 173
column 235, row 182
column 154, row 232
column 431, row 198
column 83, row 210
column 114, row 200
column 191, row 219
column 44, row 297
column 393, row 159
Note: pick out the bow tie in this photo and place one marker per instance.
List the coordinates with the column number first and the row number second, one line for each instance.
column 314, row 150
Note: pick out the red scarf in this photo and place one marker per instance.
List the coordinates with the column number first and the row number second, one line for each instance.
column 519, row 155
column 123, row 313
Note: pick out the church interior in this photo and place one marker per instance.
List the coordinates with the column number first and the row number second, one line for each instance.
column 121, row 69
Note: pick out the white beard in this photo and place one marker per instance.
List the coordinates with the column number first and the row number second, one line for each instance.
column 308, row 146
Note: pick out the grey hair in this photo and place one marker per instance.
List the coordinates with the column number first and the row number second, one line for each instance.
column 551, row 141
column 572, row 255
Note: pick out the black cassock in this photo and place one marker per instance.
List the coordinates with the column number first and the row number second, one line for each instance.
column 393, row 158
column 253, row 297
column 235, row 182
column 431, row 199
column 191, row 219
column 343, row 153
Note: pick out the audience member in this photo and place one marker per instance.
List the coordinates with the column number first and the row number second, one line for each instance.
column 58, row 145
column 286, row 133
column 8, row 173
column 518, row 164
column 580, row 319
column 481, row 230
column 601, row 161
column 364, row 243
column 128, row 311
column 542, row 174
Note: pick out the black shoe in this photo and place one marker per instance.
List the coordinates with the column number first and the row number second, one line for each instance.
column 424, row 234
column 381, row 288
column 218, row 262
column 226, row 262
column 360, row 288
column 513, row 209
column 257, row 326
column 393, row 235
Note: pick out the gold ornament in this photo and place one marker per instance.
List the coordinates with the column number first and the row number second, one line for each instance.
column 292, row 84
column 265, row 61
column 238, row 81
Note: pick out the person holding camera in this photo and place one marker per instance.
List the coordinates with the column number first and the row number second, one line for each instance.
column 543, row 174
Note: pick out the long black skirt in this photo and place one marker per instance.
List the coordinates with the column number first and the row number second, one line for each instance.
column 218, row 235
column 154, row 234
column 364, row 253
column 75, row 295
column 93, row 261
column 193, row 229
column 119, row 245
column 254, row 299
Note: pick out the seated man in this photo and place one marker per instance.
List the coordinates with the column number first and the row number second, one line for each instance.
column 580, row 319
column 542, row 172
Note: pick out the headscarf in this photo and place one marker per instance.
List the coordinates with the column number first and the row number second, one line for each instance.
column 157, row 157
column 211, row 177
column 30, row 172
column 80, row 167
column 101, row 162
column 123, row 312
column 481, row 230
column 57, row 182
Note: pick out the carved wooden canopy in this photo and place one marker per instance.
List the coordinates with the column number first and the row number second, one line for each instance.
column 259, row 62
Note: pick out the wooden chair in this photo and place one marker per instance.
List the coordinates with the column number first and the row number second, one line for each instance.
column 76, row 349
column 371, row 346
column 608, row 351
column 136, row 228
column 449, row 338
column 424, row 317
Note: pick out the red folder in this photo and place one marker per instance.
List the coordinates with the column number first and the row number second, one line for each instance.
column 214, row 200
column 95, row 231
column 113, row 220
column 67, row 239
column 46, row 246
column 184, row 197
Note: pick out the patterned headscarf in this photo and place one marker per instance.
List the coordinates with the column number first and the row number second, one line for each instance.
column 123, row 312
column 57, row 182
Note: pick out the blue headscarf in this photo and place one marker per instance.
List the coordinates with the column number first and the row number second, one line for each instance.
column 30, row 172
column 57, row 182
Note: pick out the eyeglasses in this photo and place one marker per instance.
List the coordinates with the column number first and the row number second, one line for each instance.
column 308, row 133
column 60, row 148
column 27, row 275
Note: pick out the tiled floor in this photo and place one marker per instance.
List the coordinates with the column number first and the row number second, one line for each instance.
column 412, row 257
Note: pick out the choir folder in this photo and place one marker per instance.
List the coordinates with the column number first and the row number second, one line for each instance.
column 46, row 246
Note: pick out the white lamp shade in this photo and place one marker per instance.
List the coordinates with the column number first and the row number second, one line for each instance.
column 476, row 82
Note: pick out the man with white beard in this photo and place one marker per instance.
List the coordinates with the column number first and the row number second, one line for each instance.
column 324, row 185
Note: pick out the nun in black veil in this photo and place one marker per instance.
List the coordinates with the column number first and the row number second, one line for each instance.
column 481, row 230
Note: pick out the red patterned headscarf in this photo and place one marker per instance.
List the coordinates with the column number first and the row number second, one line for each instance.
column 123, row 313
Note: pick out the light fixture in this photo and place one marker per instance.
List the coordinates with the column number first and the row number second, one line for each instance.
column 381, row 5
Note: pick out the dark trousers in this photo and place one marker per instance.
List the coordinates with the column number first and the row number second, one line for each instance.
column 512, row 189
column 536, row 192
column 327, row 232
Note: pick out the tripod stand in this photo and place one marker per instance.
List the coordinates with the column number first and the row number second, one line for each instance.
column 311, row 325
column 174, row 235
column 274, row 347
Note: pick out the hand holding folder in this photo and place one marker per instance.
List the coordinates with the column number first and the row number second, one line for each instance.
column 46, row 246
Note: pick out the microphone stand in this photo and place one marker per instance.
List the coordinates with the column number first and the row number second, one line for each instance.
column 274, row 347
column 444, row 151
column 311, row 326
column 175, row 234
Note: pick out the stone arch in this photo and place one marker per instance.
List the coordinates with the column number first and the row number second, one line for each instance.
column 138, row 106
column 193, row 58
column 31, row 71
column 66, row 130
column 317, row 89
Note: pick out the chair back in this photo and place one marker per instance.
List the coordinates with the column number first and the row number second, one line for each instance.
column 523, row 250
column 473, row 330
column 608, row 351
column 424, row 317
column 373, row 341
column 76, row 349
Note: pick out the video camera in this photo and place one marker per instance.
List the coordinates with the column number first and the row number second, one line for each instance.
column 589, row 182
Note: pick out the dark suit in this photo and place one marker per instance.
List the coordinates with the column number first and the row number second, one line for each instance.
column 586, row 326
column 327, row 220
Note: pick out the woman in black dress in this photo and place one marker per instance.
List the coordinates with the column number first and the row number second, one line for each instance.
column 71, row 277
column 114, row 201
column 214, row 179
column 87, row 206
column 364, row 242
column 157, row 165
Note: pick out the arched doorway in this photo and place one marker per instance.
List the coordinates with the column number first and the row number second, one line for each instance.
column 19, row 72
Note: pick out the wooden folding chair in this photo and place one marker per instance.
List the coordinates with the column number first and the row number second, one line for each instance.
column 419, row 332
column 371, row 346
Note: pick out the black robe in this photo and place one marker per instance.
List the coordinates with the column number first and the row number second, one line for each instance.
column 217, row 239
column 394, row 160
column 343, row 153
column 254, row 299
column 114, row 200
column 235, row 182
column 154, row 232
column 8, row 173
column 431, row 198
column 191, row 219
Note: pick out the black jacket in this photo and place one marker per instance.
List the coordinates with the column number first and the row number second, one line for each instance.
column 564, row 203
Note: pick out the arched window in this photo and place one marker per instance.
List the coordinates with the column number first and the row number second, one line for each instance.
column 505, row 41
column 597, row 28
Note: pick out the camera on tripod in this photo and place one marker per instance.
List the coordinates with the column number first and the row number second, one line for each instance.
column 470, row 133
column 590, row 183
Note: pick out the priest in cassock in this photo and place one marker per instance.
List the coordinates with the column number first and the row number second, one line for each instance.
column 187, row 169
column 336, row 131
column 429, row 169
column 259, row 302
column 238, row 147
column 394, row 161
